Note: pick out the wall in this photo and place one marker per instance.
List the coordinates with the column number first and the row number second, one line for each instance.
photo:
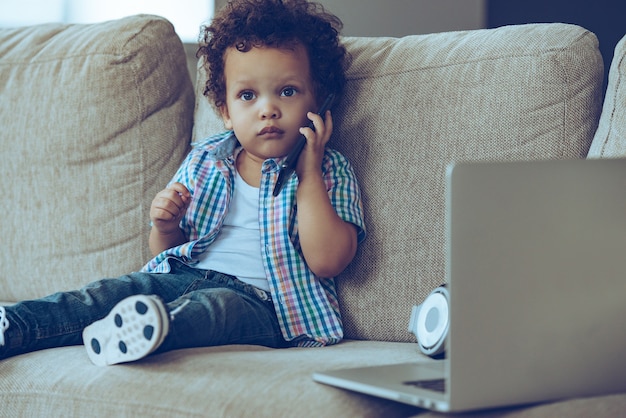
column 404, row 17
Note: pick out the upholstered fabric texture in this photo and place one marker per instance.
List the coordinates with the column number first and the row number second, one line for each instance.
column 231, row 381
column 416, row 104
column 610, row 138
column 95, row 119
column 192, row 383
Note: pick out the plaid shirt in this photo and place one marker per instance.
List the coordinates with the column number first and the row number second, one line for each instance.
column 306, row 305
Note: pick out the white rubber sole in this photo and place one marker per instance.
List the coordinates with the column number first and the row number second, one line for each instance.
column 134, row 328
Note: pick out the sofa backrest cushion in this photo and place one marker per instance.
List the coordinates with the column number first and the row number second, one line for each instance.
column 95, row 120
column 414, row 105
column 610, row 138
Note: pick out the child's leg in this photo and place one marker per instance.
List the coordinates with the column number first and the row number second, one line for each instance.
column 59, row 319
column 222, row 310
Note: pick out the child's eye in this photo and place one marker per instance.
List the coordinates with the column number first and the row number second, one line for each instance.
column 246, row 96
column 288, row 92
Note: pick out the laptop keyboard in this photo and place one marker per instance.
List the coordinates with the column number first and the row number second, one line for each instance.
column 437, row 385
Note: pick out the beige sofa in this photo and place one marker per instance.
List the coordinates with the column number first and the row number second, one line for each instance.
column 96, row 118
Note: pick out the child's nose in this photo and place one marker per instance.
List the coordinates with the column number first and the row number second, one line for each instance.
column 269, row 110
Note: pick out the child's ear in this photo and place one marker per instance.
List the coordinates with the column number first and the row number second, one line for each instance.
column 228, row 124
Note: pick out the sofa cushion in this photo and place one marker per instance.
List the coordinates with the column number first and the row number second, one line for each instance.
column 610, row 138
column 225, row 381
column 95, row 119
column 412, row 106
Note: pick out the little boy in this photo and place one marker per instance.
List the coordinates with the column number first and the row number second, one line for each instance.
column 233, row 263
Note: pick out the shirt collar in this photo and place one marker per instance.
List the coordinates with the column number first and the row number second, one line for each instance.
column 221, row 146
column 226, row 146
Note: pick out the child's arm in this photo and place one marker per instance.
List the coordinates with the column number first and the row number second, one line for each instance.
column 328, row 242
column 166, row 211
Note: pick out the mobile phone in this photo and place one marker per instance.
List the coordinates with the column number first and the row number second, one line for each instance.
column 289, row 164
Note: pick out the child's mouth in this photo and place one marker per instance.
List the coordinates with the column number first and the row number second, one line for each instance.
column 271, row 131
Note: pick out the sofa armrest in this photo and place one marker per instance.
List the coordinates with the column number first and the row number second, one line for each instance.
column 610, row 138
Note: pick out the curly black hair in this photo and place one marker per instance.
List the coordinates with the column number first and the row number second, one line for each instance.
column 244, row 24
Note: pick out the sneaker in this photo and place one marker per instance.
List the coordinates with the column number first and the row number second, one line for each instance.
column 134, row 328
column 4, row 324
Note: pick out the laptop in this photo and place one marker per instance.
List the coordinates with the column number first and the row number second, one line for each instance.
column 536, row 269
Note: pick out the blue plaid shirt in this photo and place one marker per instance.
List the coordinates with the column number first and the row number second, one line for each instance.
column 306, row 305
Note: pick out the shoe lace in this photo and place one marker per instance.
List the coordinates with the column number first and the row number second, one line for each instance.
column 4, row 324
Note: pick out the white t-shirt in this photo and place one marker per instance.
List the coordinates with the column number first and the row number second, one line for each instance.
column 237, row 248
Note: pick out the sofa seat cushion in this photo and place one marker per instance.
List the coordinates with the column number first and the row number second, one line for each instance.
column 95, row 120
column 230, row 381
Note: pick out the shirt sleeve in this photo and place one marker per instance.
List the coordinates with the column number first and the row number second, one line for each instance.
column 184, row 176
column 343, row 190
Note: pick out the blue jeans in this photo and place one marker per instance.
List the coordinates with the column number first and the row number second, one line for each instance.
column 206, row 308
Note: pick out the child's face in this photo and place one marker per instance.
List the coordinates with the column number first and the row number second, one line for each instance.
column 268, row 94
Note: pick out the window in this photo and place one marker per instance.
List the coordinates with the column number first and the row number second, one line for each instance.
column 186, row 15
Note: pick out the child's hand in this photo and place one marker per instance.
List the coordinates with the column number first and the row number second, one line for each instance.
column 168, row 207
column 310, row 161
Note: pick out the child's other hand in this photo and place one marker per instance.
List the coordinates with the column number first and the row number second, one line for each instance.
column 328, row 242
column 310, row 160
column 168, row 207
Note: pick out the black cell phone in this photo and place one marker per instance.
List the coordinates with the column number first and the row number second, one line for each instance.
column 289, row 164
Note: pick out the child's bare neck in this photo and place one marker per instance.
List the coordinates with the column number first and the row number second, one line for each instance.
column 249, row 169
